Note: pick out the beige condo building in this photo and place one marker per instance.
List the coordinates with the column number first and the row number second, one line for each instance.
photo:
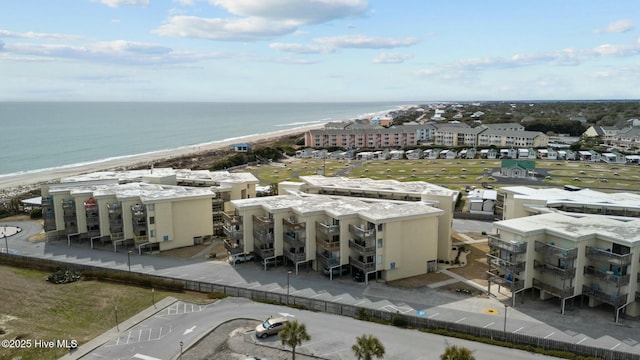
column 592, row 258
column 390, row 239
column 155, row 209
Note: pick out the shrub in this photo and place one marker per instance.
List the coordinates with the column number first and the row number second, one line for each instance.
column 36, row 214
column 399, row 321
column 216, row 295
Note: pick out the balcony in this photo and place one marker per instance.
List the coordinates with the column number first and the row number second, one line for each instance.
column 233, row 247
column 561, row 293
column 114, row 209
column 329, row 230
column 604, row 255
column 561, row 273
column 552, row 250
column 295, row 239
column 612, row 299
column 264, row 253
column 506, row 265
column 231, row 218
column 295, row 257
column 328, row 244
column 264, row 237
column 362, row 232
column 365, row 267
column 292, row 223
column 618, row 280
column 362, row 248
column 263, row 220
column 514, row 247
column 510, row 283
column 327, row 258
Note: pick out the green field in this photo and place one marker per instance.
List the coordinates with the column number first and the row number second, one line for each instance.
column 459, row 173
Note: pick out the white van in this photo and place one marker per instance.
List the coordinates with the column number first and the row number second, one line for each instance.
column 240, row 258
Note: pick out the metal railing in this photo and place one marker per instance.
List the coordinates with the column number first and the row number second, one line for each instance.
column 561, row 273
column 293, row 224
column 619, row 280
column 230, row 232
column 264, row 237
column 550, row 249
column 295, row 257
column 514, row 285
column 362, row 232
column 513, row 247
column 362, row 249
column 561, row 293
column 365, row 267
column 233, row 247
column 612, row 299
column 605, row 255
column 328, row 245
column 327, row 229
column 514, row 267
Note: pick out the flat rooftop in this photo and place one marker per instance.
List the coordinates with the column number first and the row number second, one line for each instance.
column 581, row 197
column 187, row 175
column 366, row 184
column 339, row 206
column 577, row 226
column 144, row 191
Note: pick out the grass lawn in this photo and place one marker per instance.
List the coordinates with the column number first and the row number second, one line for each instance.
column 458, row 173
column 32, row 308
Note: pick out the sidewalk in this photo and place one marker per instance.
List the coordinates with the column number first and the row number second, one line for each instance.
column 88, row 347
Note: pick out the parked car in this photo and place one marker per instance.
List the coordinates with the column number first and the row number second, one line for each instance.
column 358, row 276
column 273, row 261
column 335, row 271
column 271, row 326
column 240, row 258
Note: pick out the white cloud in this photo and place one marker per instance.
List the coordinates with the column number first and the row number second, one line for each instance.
column 619, row 26
column 34, row 35
column 243, row 29
column 365, row 42
column 117, row 3
column 301, row 48
column 185, row 2
column 390, row 58
column 304, row 11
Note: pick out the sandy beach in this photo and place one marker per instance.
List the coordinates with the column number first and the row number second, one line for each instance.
column 12, row 185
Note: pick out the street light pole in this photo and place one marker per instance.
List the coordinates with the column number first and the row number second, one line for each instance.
column 129, row 259
column 153, row 297
column 288, row 275
column 6, row 242
column 505, row 318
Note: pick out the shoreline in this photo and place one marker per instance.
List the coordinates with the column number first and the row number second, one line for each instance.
column 12, row 185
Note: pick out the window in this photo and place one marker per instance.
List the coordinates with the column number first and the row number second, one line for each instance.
column 152, row 233
column 151, row 207
column 379, row 227
column 379, row 259
column 379, row 243
column 152, row 220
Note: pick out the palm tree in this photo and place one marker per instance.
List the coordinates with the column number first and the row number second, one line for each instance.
column 293, row 334
column 453, row 352
column 368, row 346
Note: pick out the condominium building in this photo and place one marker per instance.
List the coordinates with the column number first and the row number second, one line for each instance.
column 362, row 137
column 518, row 201
column 152, row 209
column 416, row 191
column 390, row 239
column 511, row 138
column 591, row 258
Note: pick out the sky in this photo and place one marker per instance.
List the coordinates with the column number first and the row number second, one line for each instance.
column 318, row 50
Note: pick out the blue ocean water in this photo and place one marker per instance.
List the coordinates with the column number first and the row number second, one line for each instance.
column 36, row 136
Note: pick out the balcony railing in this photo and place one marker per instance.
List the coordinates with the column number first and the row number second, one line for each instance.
column 613, row 299
column 265, row 220
column 296, row 238
column 561, row 293
column 292, row 223
column 365, row 267
column 264, row 253
column 552, row 250
column 233, row 247
column 265, row 237
column 514, row 285
column 619, row 280
column 604, row 255
column 362, row 232
column 364, row 249
column 328, row 258
column 231, row 218
column 561, row 273
column 295, row 257
column 327, row 229
column 506, row 265
column 232, row 233
column 328, row 245
column 514, row 247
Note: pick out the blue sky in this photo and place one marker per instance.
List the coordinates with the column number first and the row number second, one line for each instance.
column 318, row 50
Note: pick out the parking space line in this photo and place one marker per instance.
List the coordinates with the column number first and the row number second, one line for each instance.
column 338, row 298
column 237, row 283
column 579, row 342
column 360, row 302
column 489, row 324
column 254, row 286
column 618, row 344
column 318, row 294
column 518, row 329
column 457, row 321
column 549, row 335
column 297, row 291
column 432, row 316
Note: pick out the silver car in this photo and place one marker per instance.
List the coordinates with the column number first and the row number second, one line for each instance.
column 271, row 326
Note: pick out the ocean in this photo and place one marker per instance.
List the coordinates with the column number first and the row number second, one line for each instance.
column 39, row 136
